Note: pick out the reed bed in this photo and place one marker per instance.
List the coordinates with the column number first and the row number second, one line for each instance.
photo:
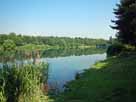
column 23, row 84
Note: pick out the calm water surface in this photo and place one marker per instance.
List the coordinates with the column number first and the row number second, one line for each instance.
column 64, row 69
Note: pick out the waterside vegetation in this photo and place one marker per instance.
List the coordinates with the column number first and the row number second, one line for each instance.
column 23, row 83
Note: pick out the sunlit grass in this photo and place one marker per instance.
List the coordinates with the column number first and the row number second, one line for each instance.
column 99, row 65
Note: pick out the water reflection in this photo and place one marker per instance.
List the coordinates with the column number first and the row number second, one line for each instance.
column 37, row 54
column 63, row 63
column 69, row 52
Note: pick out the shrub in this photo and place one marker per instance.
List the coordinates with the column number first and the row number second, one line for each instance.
column 115, row 49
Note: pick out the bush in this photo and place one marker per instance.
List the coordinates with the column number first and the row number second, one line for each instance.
column 115, row 49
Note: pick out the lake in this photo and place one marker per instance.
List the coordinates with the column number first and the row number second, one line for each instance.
column 64, row 69
column 63, row 64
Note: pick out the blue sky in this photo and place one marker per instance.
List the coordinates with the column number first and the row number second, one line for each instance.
column 73, row 18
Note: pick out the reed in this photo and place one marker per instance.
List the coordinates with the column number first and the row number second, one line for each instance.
column 23, row 84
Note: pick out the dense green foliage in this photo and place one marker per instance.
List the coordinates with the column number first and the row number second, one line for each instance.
column 112, row 80
column 9, row 45
column 22, row 83
column 115, row 49
column 126, row 21
column 62, row 42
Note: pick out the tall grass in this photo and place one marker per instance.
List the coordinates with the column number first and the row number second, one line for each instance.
column 23, row 84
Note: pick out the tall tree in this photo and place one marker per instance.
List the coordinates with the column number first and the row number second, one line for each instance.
column 126, row 21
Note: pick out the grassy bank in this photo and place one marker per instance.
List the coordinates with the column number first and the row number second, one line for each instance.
column 23, row 84
column 112, row 80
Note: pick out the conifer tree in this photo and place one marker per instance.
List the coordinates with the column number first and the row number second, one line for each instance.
column 126, row 21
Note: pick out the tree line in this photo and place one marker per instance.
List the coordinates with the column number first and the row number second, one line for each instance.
column 21, row 40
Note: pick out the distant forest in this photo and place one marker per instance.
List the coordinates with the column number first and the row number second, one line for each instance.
column 21, row 40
